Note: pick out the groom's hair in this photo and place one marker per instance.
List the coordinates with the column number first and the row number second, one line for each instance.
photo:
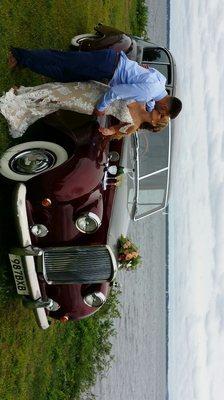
column 175, row 106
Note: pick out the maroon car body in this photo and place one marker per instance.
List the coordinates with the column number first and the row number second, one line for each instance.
column 53, row 201
column 67, row 204
column 73, row 188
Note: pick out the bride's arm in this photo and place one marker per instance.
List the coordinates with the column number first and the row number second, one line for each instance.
column 118, row 131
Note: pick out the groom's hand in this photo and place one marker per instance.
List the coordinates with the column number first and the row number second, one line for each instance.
column 98, row 113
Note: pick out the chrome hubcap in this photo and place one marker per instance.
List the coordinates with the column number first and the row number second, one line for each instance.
column 79, row 41
column 32, row 161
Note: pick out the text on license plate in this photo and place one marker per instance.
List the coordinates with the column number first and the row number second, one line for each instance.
column 19, row 276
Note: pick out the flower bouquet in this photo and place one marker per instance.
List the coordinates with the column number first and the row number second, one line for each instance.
column 128, row 254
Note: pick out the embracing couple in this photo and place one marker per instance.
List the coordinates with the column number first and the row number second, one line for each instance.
column 136, row 96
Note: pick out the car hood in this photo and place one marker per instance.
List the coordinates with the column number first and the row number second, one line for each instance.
column 69, row 181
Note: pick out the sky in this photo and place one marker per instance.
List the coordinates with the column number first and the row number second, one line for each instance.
column 196, row 218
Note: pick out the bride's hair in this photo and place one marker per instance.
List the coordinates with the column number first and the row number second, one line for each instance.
column 146, row 125
column 159, row 127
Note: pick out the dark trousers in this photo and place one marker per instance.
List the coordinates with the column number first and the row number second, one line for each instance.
column 68, row 66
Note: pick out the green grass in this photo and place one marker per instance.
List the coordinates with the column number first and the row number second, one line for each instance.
column 54, row 364
column 62, row 362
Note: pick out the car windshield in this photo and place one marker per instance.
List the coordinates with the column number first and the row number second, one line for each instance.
column 152, row 158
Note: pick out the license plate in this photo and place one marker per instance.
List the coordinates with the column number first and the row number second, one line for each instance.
column 18, row 272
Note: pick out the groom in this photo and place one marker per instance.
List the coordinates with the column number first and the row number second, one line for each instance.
column 127, row 79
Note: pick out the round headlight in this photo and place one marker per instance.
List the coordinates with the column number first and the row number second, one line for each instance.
column 95, row 299
column 39, row 230
column 88, row 223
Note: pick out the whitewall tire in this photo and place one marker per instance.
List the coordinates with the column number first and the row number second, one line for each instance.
column 26, row 160
column 76, row 40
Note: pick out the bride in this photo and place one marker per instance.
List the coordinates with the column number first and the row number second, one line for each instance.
column 23, row 106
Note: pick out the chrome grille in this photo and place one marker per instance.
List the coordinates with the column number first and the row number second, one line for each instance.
column 78, row 264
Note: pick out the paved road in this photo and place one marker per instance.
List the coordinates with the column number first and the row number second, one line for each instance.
column 139, row 369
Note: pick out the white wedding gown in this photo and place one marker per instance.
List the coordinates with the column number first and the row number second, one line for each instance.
column 25, row 105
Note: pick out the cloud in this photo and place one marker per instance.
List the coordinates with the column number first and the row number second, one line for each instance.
column 196, row 217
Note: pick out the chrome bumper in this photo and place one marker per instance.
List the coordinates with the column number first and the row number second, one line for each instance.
column 28, row 260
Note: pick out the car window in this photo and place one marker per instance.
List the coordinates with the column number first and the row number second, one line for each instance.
column 169, row 91
column 155, row 54
column 158, row 58
column 164, row 69
column 152, row 194
column 153, row 151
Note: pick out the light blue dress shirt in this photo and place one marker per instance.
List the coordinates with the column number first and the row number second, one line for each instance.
column 135, row 83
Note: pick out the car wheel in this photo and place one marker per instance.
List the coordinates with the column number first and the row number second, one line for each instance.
column 77, row 40
column 26, row 160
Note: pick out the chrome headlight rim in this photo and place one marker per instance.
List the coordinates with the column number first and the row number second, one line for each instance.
column 90, row 297
column 91, row 216
column 39, row 230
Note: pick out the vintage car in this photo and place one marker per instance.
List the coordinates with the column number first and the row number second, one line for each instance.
column 75, row 194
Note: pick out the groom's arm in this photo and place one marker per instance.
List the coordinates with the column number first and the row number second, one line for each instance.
column 142, row 92
column 121, row 92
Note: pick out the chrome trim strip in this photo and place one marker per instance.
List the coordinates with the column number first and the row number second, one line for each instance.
column 43, row 269
column 25, row 240
column 153, row 212
column 137, row 174
column 114, row 261
column 155, row 62
column 168, row 173
column 153, row 173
